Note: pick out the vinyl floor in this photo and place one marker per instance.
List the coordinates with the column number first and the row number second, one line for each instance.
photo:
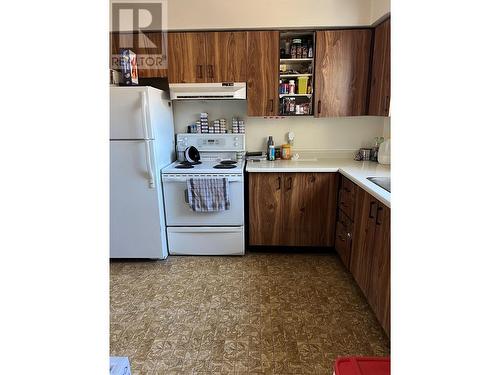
column 263, row 313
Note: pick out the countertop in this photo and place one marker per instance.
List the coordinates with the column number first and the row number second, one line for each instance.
column 356, row 171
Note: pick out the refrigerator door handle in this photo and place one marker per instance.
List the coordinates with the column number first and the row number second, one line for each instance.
column 146, row 126
column 149, row 165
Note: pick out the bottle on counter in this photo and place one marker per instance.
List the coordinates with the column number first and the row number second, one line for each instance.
column 270, row 149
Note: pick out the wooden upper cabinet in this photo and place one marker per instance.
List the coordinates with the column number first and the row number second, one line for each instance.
column 226, row 56
column 265, row 208
column 186, row 57
column 262, row 73
column 380, row 90
column 341, row 72
column 150, row 48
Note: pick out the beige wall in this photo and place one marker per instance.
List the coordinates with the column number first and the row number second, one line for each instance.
column 244, row 14
column 379, row 8
column 347, row 133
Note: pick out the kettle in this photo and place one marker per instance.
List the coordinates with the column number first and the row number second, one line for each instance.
column 384, row 152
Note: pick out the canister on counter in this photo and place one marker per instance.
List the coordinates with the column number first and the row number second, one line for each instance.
column 286, row 151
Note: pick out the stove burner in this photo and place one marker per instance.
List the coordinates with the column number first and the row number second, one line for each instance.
column 224, row 166
column 184, row 166
column 185, row 162
column 228, row 162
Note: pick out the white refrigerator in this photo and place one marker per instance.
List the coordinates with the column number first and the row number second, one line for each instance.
column 141, row 143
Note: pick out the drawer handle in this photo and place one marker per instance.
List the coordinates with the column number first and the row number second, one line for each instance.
column 376, row 219
column 371, row 209
column 279, row 183
column 199, row 71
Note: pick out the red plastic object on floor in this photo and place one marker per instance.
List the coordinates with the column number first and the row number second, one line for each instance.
column 362, row 366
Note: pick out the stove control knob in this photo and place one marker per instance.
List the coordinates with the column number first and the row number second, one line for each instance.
column 236, row 144
column 235, row 138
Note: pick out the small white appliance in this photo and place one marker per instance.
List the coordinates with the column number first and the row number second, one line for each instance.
column 206, row 233
column 224, row 90
column 141, row 143
column 384, row 152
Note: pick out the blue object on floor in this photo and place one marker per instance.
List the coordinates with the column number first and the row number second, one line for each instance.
column 119, row 366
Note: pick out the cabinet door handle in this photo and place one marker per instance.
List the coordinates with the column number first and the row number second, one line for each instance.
column 271, row 102
column 289, row 183
column 210, row 71
column 319, row 107
column 371, row 209
column 376, row 219
column 279, row 183
column 199, row 71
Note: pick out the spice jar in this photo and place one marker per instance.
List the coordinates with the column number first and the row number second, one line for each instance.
column 296, row 49
column 291, row 86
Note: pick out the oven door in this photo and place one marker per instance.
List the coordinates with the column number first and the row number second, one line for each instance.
column 178, row 212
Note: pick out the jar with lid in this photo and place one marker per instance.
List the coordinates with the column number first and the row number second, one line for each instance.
column 296, row 49
column 291, row 109
column 304, row 51
column 287, row 47
column 291, row 86
column 286, row 151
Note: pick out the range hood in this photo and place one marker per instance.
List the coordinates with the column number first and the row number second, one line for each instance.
column 225, row 90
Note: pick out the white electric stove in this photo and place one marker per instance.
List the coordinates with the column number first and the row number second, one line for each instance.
column 205, row 233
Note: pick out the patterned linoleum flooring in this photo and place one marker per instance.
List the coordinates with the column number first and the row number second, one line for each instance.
column 257, row 314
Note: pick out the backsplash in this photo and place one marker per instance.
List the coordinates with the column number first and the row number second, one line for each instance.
column 343, row 133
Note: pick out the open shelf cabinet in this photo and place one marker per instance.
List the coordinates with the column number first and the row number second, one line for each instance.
column 297, row 49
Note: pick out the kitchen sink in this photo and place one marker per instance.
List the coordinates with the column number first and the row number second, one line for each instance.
column 383, row 182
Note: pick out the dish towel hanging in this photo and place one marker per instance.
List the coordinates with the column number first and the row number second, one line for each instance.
column 208, row 194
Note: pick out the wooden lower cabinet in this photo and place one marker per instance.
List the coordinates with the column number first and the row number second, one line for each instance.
column 292, row 209
column 343, row 238
column 370, row 255
column 364, row 234
column 265, row 207
column 379, row 292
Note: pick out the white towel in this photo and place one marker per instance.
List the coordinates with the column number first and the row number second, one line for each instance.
column 208, row 194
